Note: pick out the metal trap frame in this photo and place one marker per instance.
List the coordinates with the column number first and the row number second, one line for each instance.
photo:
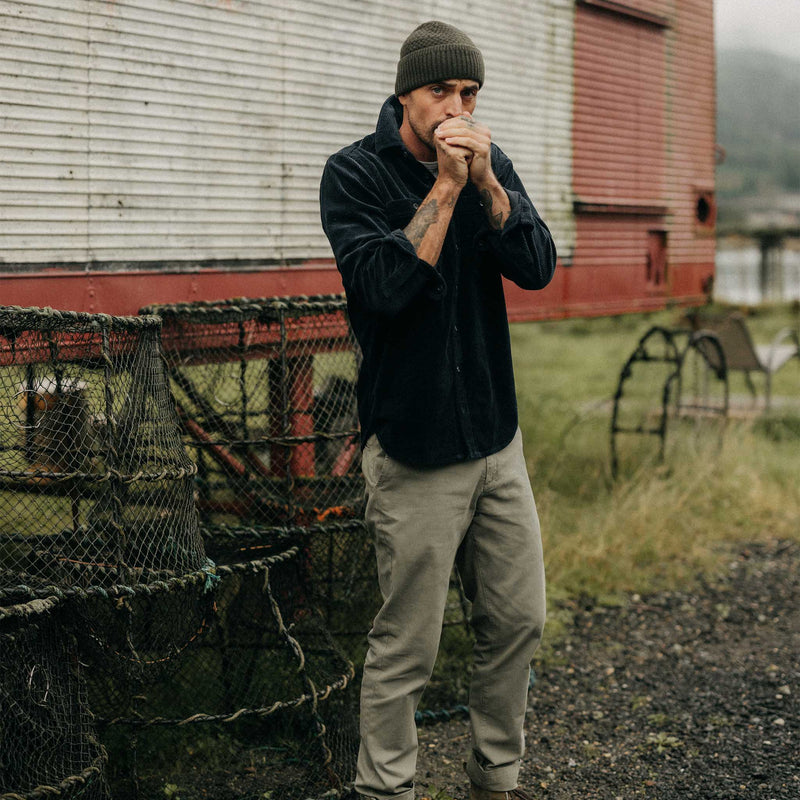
column 672, row 375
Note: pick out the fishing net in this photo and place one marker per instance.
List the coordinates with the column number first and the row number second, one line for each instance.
column 48, row 744
column 96, row 490
column 265, row 392
column 191, row 495
column 336, row 568
column 96, row 500
column 259, row 700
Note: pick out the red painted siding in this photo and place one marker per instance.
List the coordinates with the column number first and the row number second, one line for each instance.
column 618, row 125
column 643, row 138
column 692, row 135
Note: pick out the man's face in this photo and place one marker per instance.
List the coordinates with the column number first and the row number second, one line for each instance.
column 427, row 107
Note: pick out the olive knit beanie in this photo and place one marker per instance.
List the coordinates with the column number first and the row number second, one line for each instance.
column 436, row 51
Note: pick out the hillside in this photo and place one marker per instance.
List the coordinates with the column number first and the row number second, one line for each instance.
column 758, row 126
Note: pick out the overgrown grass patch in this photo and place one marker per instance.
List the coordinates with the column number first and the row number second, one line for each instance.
column 660, row 524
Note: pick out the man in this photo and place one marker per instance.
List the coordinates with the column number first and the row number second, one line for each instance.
column 424, row 217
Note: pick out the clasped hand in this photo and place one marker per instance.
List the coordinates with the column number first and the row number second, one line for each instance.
column 463, row 148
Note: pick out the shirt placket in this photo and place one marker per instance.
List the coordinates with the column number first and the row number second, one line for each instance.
column 461, row 394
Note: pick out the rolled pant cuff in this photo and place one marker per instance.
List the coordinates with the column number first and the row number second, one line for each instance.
column 496, row 779
column 409, row 795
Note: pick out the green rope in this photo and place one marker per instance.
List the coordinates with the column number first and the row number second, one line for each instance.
column 249, row 306
column 21, row 319
column 110, row 474
column 243, row 713
column 67, row 787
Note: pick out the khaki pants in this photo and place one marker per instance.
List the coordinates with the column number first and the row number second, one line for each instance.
column 480, row 515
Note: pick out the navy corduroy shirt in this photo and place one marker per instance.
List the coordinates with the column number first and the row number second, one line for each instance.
column 436, row 383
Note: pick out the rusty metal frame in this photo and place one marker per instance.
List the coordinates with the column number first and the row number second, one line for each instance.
column 676, row 345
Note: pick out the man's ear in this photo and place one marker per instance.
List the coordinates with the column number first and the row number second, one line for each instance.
column 403, row 98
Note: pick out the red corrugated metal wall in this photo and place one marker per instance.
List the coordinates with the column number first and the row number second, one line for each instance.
column 692, row 91
column 618, row 125
column 643, row 138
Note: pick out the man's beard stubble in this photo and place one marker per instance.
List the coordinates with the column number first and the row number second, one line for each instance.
column 425, row 136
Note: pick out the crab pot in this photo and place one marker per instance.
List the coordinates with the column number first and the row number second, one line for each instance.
column 96, row 489
column 265, row 391
column 262, row 689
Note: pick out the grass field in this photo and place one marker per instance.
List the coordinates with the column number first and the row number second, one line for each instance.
column 659, row 525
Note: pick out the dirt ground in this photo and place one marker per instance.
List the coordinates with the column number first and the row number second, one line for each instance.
column 693, row 696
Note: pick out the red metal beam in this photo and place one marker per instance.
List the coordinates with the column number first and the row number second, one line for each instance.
column 125, row 292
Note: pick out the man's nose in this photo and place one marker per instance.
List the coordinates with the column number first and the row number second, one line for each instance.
column 455, row 106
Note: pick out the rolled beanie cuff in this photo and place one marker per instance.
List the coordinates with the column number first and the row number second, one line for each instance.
column 440, row 62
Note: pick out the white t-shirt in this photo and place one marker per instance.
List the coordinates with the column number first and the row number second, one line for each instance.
column 431, row 166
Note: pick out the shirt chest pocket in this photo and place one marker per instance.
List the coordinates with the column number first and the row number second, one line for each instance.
column 400, row 212
column 471, row 219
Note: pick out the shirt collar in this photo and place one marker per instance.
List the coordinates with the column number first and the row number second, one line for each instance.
column 387, row 132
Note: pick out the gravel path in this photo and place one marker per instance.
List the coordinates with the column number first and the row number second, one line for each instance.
column 691, row 696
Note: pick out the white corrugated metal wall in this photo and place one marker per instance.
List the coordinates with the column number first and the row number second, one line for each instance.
column 196, row 130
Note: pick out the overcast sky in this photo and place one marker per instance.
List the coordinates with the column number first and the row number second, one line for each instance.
column 765, row 24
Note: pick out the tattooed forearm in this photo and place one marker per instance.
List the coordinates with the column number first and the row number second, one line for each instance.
column 496, row 218
column 427, row 215
column 428, row 229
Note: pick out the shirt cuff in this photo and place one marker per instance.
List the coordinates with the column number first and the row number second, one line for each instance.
column 521, row 215
column 521, row 212
column 434, row 282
